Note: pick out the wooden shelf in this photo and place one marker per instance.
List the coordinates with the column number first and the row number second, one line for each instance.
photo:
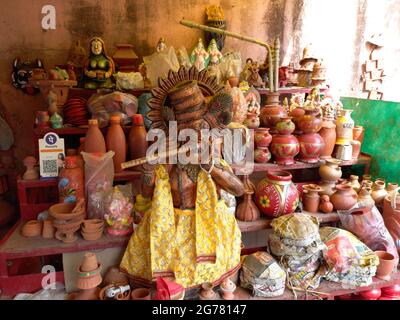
column 289, row 90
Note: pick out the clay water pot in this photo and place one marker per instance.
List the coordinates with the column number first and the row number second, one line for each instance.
column 310, row 197
column 247, row 209
column 330, row 171
column 367, row 184
column 114, row 276
column 343, row 198
column 285, row 146
column 296, row 114
column 116, row 141
column 262, row 155
column 325, row 205
column 270, row 115
column 355, row 183
column 364, row 198
column 328, row 134
column 311, row 146
column 386, row 265
column 311, row 121
column 94, row 140
column 141, row 294
column 32, row 228
column 48, row 229
column 378, row 192
column 262, row 138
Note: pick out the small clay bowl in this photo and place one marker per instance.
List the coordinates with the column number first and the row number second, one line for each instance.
column 141, row 294
column 32, row 228
column 92, row 230
column 67, row 227
column 92, row 236
column 93, row 224
column 63, row 211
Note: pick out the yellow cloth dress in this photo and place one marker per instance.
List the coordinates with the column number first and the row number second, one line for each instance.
column 191, row 246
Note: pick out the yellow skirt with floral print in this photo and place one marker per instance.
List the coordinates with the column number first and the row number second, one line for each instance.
column 190, row 246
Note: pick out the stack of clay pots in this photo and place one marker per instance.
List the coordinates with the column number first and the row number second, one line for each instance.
column 89, row 278
column 285, row 146
column 92, row 229
column 262, row 140
column 330, row 173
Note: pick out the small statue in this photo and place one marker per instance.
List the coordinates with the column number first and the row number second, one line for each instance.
column 245, row 74
column 228, row 288
column 214, row 53
column 161, row 45
column 200, row 57
column 253, row 106
column 99, row 67
column 31, row 172
column 183, row 58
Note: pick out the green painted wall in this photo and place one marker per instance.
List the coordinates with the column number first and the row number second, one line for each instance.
column 381, row 120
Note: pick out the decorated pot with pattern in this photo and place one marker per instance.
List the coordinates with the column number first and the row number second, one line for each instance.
column 311, row 147
column 276, row 194
column 285, row 146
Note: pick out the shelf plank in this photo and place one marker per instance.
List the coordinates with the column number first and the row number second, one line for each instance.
column 290, row 90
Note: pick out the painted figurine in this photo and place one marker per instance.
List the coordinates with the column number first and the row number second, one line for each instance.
column 228, row 288
column 56, row 120
column 99, row 67
column 161, row 45
column 200, row 57
column 214, row 53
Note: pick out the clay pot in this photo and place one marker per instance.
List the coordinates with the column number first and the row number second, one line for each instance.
column 356, row 149
column 344, row 127
column 141, row 294
column 330, row 171
column 343, row 198
column 92, row 236
column 366, row 177
column 247, row 209
column 364, row 198
column 367, row 184
column 262, row 155
column 285, row 146
column 386, row 265
column 272, row 98
column 94, row 140
column 233, row 81
column 252, row 121
column 89, row 262
column 114, row 276
column 310, row 197
column 325, row 205
column 228, row 288
column 276, row 194
column 355, row 183
column 48, row 229
column 116, row 141
column 71, row 181
column 328, row 134
column 311, row 121
column 311, row 146
column 66, row 231
column 328, row 187
column 137, row 138
column 92, row 225
column 378, row 192
column 262, row 138
column 270, row 115
column 68, row 211
column 358, row 133
column 296, row 114
column 32, row 228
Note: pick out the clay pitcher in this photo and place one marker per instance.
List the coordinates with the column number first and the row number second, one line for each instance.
column 115, row 141
column 311, row 197
column 343, row 198
column 355, row 183
column 330, row 171
column 137, row 138
column 328, row 134
column 364, row 198
column 378, row 191
column 94, row 140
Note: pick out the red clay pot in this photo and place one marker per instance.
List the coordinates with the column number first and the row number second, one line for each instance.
column 311, row 146
column 311, row 121
column 310, row 197
column 325, row 205
column 328, row 134
column 137, row 138
column 386, row 265
column 270, row 115
column 391, row 291
column 71, row 181
column 285, row 146
column 262, row 138
column 343, row 198
column 373, row 294
column 262, row 155
column 247, row 209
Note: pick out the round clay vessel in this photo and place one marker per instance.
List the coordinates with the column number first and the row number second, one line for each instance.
column 71, row 183
column 270, row 115
column 141, row 294
column 262, row 138
column 378, row 192
column 94, row 140
column 116, row 141
column 311, row 146
column 262, row 155
column 366, row 177
column 328, row 187
column 355, row 183
column 247, row 209
column 48, row 229
column 310, row 197
column 310, row 122
column 386, row 265
column 367, row 183
column 343, row 198
column 89, row 282
column 325, row 205
column 32, row 228
column 285, row 126
column 92, row 236
column 276, row 194
column 328, row 134
column 296, row 114
column 114, row 276
column 364, row 198
column 285, row 147
column 330, row 171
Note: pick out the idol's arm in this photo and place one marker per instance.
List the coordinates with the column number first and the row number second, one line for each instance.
column 227, row 180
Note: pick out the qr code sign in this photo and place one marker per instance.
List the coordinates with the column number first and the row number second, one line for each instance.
column 49, row 168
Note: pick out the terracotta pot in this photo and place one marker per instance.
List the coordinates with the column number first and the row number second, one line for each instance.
column 325, row 205
column 386, row 265
column 89, row 282
column 355, row 183
column 328, row 187
column 344, row 127
column 32, row 228
column 93, row 224
column 328, row 134
column 378, row 192
column 311, row 146
column 366, row 177
column 358, row 133
column 137, row 138
column 141, row 294
column 115, row 141
column 311, row 121
column 343, row 198
column 89, row 262
column 364, row 198
column 262, row 155
column 296, row 114
column 330, row 171
column 92, row 236
column 310, row 197
column 247, row 209
column 270, row 115
column 233, row 81
column 356, row 149
column 48, row 229
column 262, row 137
column 68, row 211
column 71, row 183
column 285, row 146
column 66, row 231
column 252, row 121
column 94, row 140
column 367, row 183
column 276, row 194
column 373, row 294
column 114, row 276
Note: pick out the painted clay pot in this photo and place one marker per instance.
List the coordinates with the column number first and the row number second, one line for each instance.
column 262, row 137
column 343, row 198
column 116, row 141
column 325, row 205
column 276, row 194
column 386, row 265
column 364, row 198
column 367, row 183
column 391, row 291
column 311, row 121
column 355, row 183
column 358, row 133
column 285, row 146
column 247, row 209
column 378, row 191
column 94, row 140
column 114, row 276
column 344, row 127
column 373, row 294
column 270, row 115
column 311, row 146
column 356, row 149
column 71, row 181
column 330, row 171
column 137, row 138
column 32, row 228
column 328, row 134
column 48, row 229
column 262, row 155
column 141, row 294
column 310, row 197
column 296, row 114
column 252, row 121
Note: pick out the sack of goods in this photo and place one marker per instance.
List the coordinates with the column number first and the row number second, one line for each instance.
column 262, row 275
column 349, row 261
column 297, row 245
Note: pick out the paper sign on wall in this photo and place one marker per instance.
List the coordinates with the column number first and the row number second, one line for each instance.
column 51, row 155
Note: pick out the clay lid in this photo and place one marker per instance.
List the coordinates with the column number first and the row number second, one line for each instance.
column 71, row 162
column 115, row 119
column 89, row 263
column 93, row 122
column 137, row 119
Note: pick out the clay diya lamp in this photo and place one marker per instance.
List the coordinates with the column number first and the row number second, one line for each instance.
column 48, row 229
column 207, row 292
column 32, row 228
column 228, row 288
column 115, row 276
column 141, row 294
column 386, row 265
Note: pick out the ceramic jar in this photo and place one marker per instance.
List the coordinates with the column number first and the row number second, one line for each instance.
column 71, row 183
column 285, row 146
column 311, row 146
column 270, row 115
column 252, row 121
column 310, row 197
column 355, row 183
column 311, row 121
column 262, row 137
column 328, row 134
column 115, row 141
column 378, row 191
column 343, row 198
column 344, row 127
column 137, row 138
column 330, row 171
column 247, row 209
column 94, row 140
column 262, row 155
column 386, row 265
column 325, row 204
column 276, row 194
column 364, row 198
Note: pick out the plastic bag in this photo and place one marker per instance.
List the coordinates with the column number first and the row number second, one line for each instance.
column 6, row 135
column 102, row 106
column 99, row 177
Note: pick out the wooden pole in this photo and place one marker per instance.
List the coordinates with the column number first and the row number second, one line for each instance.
column 271, row 67
column 277, row 47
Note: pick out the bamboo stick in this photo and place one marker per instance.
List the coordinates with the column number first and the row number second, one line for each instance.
column 271, row 67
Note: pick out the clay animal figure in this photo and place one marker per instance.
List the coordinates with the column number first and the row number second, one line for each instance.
column 23, row 71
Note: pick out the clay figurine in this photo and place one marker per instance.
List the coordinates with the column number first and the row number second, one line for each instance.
column 215, row 54
column 31, row 172
column 200, row 57
column 161, row 46
column 254, row 79
column 99, row 67
column 23, row 72
column 228, row 288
